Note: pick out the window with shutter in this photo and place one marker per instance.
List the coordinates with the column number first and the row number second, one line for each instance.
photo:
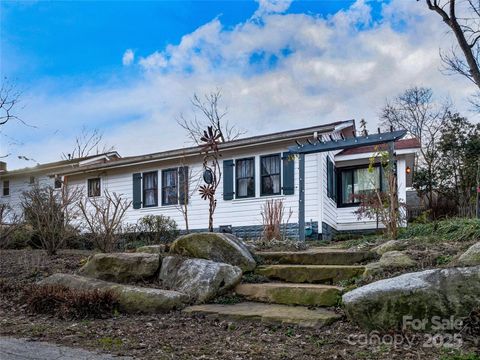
column 245, row 178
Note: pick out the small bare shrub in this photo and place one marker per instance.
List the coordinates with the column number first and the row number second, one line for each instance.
column 10, row 222
column 51, row 213
column 104, row 219
column 272, row 216
column 67, row 303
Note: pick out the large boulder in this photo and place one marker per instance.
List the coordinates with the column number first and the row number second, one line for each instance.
column 132, row 299
column 219, row 247
column 200, row 279
column 121, row 267
column 151, row 249
column 385, row 304
column 471, row 257
column 391, row 245
column 391, row 260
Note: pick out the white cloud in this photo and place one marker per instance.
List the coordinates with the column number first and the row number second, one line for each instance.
column 128, row 57
column 272, row 6
column 286, row 71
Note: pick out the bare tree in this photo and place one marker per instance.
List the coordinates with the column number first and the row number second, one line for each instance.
column 52, row 213
column 104, row 218
column 9, row 223
column 416, row 111
column 88, row 142
column 463, row 19
column 9, row 98
column 213, row 115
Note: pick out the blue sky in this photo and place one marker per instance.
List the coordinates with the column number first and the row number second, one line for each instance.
column 131, row 67
column 85, row 39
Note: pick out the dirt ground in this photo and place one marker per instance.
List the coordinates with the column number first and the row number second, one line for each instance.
column 177, row 336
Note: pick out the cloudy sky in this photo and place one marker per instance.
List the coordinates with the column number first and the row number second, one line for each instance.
column 130, row 68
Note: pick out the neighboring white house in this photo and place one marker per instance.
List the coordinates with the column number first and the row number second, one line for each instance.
column 254, row 169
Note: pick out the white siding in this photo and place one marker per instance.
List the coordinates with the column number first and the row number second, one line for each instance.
column 18, row 185
column 236, row 212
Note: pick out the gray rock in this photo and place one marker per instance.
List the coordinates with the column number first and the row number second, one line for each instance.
column 132, row 299
column 200, row 279
column 391, row 260
column 121, row 267
column 391, row 245
column 151, row 249
column 471, row 257
column 382, row 305
column 219, row 247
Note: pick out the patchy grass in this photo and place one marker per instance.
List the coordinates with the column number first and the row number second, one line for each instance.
column 455, row 229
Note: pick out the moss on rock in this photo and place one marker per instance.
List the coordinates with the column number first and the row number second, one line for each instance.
column 219, row 247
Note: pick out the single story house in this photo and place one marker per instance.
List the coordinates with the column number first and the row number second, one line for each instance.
column 254, row 169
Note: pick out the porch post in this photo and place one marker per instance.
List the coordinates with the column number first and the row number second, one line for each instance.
column 301, row 197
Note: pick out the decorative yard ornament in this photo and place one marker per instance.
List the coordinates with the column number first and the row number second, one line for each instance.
column 212, row 174
column 208, row 176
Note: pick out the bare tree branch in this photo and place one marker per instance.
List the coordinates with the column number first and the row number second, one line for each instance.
column 88, row 142
column 213, row 116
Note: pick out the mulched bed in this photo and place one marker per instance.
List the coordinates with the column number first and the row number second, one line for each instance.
column 175, row 335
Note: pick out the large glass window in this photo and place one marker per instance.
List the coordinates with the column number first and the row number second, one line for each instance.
column 150, row 189
column 270, row 174
column 245, row 175
column 359, row 181
column 169, row 187
column 94, row 187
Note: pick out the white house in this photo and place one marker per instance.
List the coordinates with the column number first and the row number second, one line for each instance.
column 254, row 169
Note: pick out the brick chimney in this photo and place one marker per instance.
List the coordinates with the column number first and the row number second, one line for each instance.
column 3, row 166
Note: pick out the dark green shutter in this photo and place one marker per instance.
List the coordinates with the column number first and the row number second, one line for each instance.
column 228, row 180
column 137, row 191
column 183, row 185
column 288, row 173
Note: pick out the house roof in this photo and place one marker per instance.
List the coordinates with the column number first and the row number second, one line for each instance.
column 276, row 137
column 402, row 144
column 52, row 166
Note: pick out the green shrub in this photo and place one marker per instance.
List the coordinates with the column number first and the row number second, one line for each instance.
column 157, row 229
column 455, row 229
column 20, row 238
column 68, row 303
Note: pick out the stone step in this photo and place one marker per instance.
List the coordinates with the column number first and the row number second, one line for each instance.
column 268, row 313
column 316, row 256
column 311, row 273
column 291, row 294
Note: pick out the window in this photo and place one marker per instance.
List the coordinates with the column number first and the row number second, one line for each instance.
column 359, row 181
column 150, row 189
column 6, row 187
column 94, row 187
column 331, row 180
column 32, row 180
column 245, row 175
column 270, row 175
column 57, row 183
column 169, row 187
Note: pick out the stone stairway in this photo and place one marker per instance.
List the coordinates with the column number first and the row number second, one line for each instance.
column 304, row 284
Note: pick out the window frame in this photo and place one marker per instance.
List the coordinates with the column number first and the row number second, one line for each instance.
column 57, row 180
column 5, row 187
column 341, row 170
column 99, row 187
column 251, row 158
column 279, row 156
column 155, row 189
column 164, row 171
